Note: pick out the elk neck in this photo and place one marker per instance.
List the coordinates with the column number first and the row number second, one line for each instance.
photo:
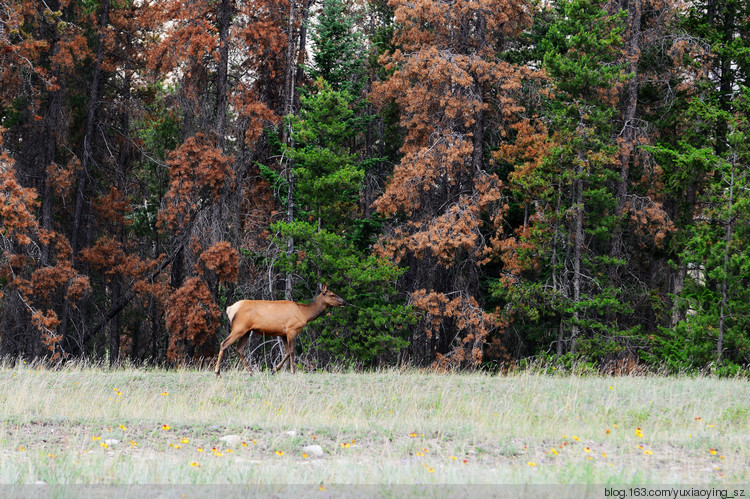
column 313, row 309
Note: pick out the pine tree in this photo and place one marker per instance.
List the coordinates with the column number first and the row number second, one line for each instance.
column 458, row 99
column 327, row 172
column 328, row 247
column 705, row 161
column 338, row 53
column 560, row 262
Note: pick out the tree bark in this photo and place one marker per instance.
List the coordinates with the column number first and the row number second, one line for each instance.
column 726, row 79
column 725, row 268
column 123, row 161
column 556, row 281
column 478, row 129
column 51, row 127
column 88, row 138
column 577, row 252
column 630, row 99
column 629, row 105
column 118, row 306
column 302, row 51
column 87, row 158
column 289, row 140
column 225, row 18
column 678, row 284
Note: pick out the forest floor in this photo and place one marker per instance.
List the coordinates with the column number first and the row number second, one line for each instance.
column 94, row 426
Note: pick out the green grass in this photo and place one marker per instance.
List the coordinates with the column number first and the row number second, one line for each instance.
column 396, row 427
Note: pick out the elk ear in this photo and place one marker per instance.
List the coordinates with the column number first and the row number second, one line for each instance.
column 323, row 288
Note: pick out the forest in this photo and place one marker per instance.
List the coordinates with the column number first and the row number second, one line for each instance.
column 487, row 182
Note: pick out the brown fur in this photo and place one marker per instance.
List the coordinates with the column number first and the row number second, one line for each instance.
column 273, row 318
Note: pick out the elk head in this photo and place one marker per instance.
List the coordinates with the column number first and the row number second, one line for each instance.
column 330, row 298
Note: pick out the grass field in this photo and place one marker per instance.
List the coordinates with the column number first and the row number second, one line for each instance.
column 85, row 425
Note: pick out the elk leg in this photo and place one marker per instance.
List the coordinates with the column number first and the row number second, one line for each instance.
column 290, row 341
column 278, row 366
column 286, row 356
column 218, row 363
column 240, row 348
column 233, row 336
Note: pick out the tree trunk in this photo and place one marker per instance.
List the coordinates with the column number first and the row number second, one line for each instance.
column 224, row 17
column 478, row 129
column 629, row 104
column 51, row 127
column 153, row 310
column 87, row 155
column 577, row 252
column 630, row 100
column 288, row 140
column 568, row 245
column 725, row 268
column 726, row 79
column 88, row 138
column 302, row 49
column 556, row 284
column 678, row 284
column 123, row 164
column 114, row 331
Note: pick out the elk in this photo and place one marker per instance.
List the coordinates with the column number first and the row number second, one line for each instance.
column 274, row 318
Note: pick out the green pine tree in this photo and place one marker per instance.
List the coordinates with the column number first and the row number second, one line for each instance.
column 339, row 57
column 705, row 161
column 327, row 173
column 562, row 289
column 715, row 300
column 328, row 236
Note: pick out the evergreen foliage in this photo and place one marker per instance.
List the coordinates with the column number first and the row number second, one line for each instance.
column 483, row 181
column 339, row 54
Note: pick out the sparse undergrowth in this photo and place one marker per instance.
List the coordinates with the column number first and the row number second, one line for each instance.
column 87, row 425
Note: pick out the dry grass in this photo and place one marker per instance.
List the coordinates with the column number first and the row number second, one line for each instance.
column 390, row 427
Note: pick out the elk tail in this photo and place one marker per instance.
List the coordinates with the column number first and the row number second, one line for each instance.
column 232, row 311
